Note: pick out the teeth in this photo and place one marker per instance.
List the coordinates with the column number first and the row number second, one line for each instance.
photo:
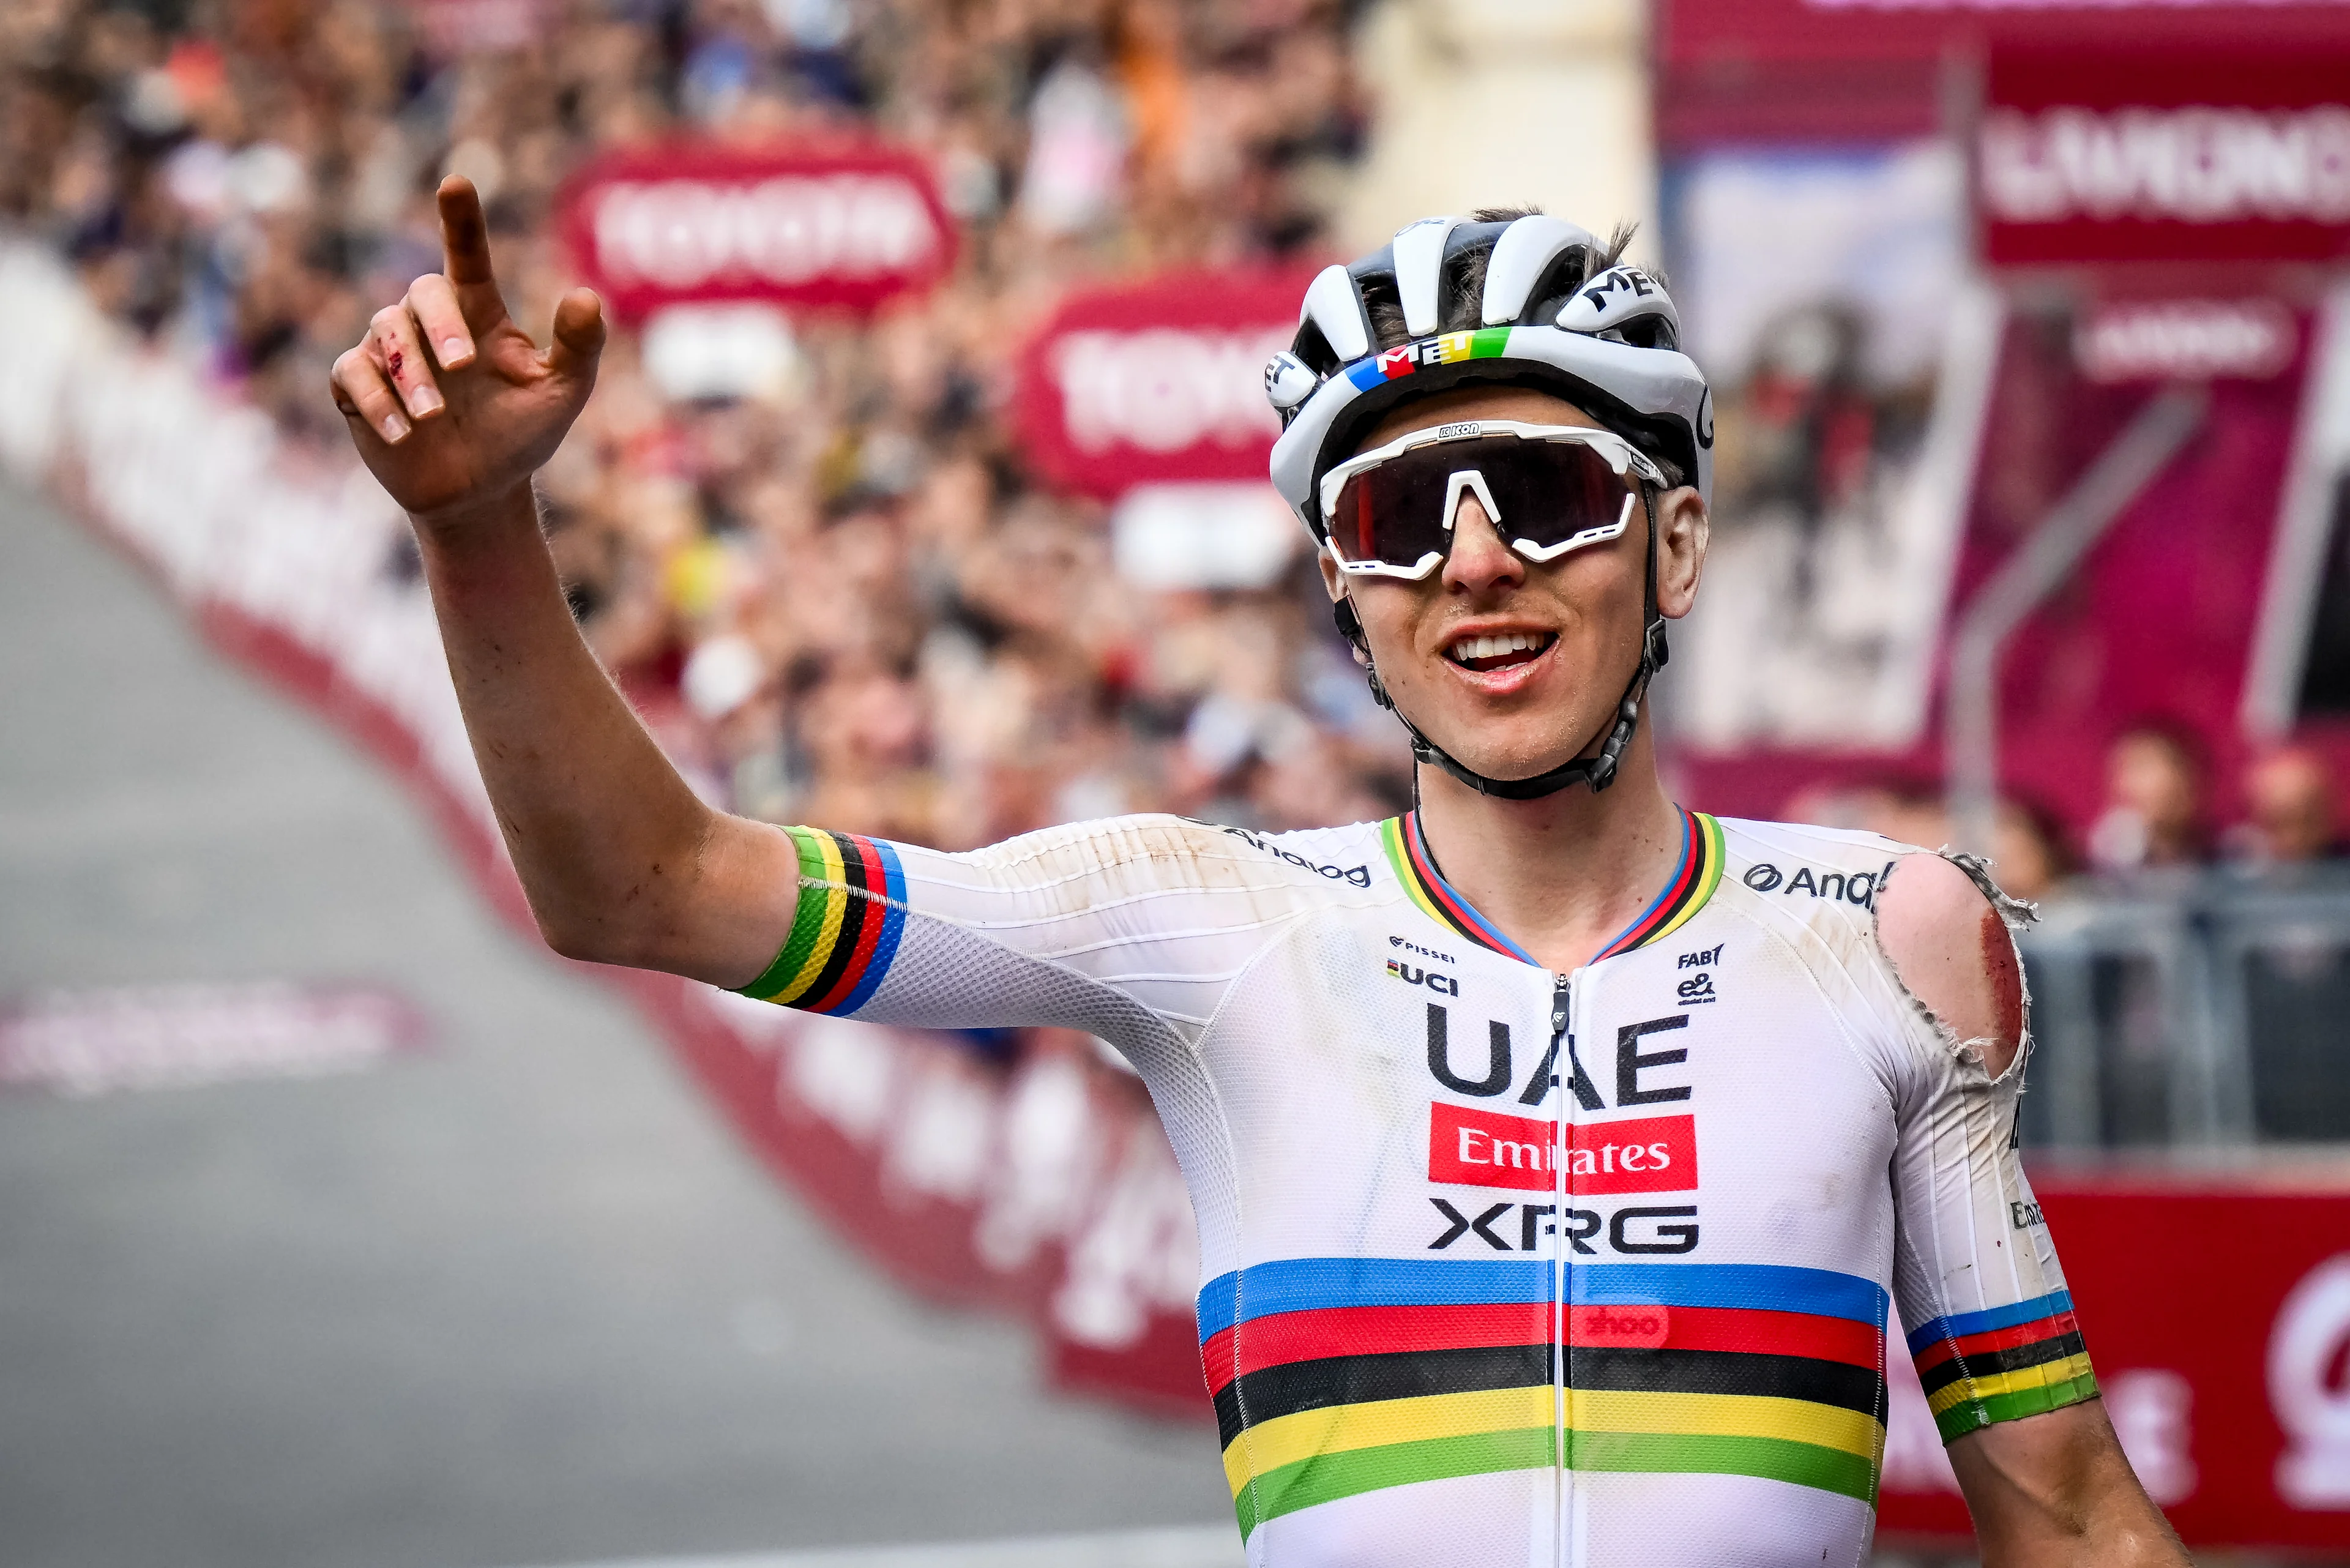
column 1470, row 648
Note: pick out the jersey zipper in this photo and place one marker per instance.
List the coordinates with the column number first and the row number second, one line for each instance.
column 1561, row 1053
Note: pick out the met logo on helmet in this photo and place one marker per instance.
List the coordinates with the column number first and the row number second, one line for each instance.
column 1450, row 349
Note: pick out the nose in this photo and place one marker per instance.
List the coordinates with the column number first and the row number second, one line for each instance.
column 1478, row 561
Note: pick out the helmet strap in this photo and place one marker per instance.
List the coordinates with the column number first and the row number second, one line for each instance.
column 1599, row 771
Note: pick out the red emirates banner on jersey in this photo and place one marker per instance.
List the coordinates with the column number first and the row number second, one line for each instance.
column 847, row 227
column 1157, row 383
column 2100, row 156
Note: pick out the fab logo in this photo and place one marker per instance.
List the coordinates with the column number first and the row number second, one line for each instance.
column 1472, row 1147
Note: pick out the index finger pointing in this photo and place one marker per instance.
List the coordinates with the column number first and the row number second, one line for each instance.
column 464, row 237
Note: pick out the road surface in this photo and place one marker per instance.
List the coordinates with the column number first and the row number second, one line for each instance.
column 517, row 1299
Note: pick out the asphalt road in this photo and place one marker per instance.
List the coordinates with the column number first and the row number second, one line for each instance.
column 516, row 1300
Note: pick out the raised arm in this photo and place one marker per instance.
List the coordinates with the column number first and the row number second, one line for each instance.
column 454, row 409
column 2001, row 1356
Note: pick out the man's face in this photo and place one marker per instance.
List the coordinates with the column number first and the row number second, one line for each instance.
column 1512, row 667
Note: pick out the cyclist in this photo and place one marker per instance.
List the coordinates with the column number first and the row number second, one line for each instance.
column 1559, row 1154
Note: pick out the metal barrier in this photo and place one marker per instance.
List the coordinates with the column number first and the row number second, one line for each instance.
column 2200, row 1010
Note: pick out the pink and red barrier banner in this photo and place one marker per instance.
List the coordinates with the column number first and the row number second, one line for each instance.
column 1156, row 382
column 2086, row 156
column 845, row 227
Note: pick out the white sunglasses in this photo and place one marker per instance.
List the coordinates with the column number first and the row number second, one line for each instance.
column 1547, row 490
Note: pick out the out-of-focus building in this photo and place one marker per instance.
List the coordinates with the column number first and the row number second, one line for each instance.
column 1494, row 102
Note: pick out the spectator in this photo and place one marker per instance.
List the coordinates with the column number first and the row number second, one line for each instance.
column 2292, row 820
column 2152, row 814
column 2028, row 853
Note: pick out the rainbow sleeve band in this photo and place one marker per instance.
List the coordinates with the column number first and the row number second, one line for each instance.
column 1980, row 1368
column 852, row 910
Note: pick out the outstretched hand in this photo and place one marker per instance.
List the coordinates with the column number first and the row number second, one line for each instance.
column 444, row 440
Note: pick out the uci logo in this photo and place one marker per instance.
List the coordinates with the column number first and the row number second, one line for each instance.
column 1446, row 984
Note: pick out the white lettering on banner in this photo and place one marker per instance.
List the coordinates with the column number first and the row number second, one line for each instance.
column 943, row 1137
column 1167, row 388
column 2186, row 339
column 1047, row 1165
column 81, row 1043
column 2192, row 165
column 2152, row 1409
column 846, row 1072
column 2311, row 1336
column 685, row 234
column 1137, row 1255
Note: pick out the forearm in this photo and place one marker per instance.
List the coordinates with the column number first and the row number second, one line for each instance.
column 2054, row 1490
column 608, row 839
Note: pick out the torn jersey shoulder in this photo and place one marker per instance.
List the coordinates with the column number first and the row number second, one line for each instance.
column 1946, row 930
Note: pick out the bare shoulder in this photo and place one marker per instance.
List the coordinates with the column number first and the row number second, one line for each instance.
column 1948, row 943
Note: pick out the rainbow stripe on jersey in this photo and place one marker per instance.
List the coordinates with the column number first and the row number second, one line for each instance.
column 1334, row 1376
column 1695, row 875
column 852, row 910
column 1980, row 1368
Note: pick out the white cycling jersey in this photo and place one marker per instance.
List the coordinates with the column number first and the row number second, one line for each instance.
column 1503, row 1266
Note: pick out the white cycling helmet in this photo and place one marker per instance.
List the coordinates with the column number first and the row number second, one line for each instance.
column 1608, row 343
column 1555, row 313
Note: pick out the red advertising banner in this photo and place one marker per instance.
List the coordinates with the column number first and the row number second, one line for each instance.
column 1156, row 382
column 2106, row 156
column 844, row 226
column 2217, row 1314
column 1768, row 32
column 1838, row 71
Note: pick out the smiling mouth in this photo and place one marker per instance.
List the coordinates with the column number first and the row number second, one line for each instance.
column 1499, row 651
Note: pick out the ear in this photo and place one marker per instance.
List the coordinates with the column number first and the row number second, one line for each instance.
column 1334, row 581
column 1682, row 530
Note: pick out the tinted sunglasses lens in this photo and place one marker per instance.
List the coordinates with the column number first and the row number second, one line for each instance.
column 1550, row 490
column 1393, row 515
column 1547, row 493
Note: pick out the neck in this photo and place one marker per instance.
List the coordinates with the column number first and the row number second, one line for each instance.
column 1562, row 875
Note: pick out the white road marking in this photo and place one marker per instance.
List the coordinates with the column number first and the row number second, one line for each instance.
column 1212, row 1546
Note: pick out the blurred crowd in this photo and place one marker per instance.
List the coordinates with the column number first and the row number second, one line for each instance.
column 841, row 600
column 2157, row 818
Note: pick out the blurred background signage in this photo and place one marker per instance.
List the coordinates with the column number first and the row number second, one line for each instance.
column 800, row 226
column 1151, row 395
column 2165, row 157
column 1157, row 382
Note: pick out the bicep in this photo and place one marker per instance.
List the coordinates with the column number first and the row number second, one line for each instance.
column 1990, row 1321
